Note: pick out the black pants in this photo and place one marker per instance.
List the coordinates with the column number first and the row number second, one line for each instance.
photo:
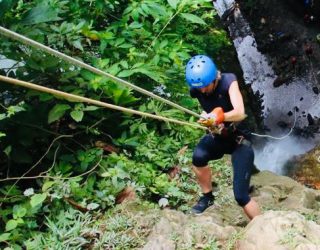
column 213, row 148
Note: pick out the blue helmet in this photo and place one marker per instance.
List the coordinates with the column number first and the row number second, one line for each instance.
column 200, row 71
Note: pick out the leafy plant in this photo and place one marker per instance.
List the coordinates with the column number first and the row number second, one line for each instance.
column 145, row 42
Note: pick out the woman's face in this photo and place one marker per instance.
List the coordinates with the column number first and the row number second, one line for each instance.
column 209, row 89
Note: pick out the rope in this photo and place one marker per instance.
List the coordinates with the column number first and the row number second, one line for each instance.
column 282, row 137
column 71, row 60
column 294, row 123
column 95, row 102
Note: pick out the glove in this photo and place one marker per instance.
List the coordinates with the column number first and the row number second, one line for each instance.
column 216, row 117
column 219, row 115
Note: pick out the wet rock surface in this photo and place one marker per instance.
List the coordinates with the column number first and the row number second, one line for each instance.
column 278, row 50
column 286, row 31
column 285, row 76
column 306, row 168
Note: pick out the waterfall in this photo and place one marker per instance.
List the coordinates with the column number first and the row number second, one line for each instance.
column 289, row 103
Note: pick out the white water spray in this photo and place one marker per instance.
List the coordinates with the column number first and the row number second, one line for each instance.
column 274, row 154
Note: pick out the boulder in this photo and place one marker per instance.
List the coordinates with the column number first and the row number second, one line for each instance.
column 290, row 213
column 283, row 193
column 177, row 230
column 280, row 230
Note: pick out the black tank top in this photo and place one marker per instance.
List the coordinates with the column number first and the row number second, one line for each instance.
column 219, row 97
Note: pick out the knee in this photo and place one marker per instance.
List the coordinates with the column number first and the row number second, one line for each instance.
column 200, row 158
column 242, row 200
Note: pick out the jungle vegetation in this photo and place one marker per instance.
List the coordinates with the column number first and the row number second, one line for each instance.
column 63, row 164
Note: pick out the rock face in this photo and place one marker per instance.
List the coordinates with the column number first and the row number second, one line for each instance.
column 306, row 168
column 280, row 230
column 283, row 193
column 290, row 220
column 287, row 33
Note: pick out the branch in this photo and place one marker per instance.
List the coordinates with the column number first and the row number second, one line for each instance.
column 52, row 177
column 36, row 164
column 165, row 26
column 76, row 205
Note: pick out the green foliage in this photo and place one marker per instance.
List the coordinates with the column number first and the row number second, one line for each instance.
column 43, row 11
column 12, row 110
column 9, row 112
column 57, row 112
column 192, row 18
column 37, row 199
column 145, row 42
column 6, row 6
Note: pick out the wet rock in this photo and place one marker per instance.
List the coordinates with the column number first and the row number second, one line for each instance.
column 283, row 36
column 315, row 90
column 279, row 81
column 308, row 49
column 282, row 124
column 293, row 61
column 306, row 168
column 310, row 119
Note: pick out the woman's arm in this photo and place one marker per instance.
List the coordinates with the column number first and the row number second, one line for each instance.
column 238, row 112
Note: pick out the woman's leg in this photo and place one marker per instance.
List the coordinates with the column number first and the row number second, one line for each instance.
column 252, row 209
column 204, row 178
column 208, row 149
column 242, row 161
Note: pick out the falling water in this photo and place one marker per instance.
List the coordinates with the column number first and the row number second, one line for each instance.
column 294, row 97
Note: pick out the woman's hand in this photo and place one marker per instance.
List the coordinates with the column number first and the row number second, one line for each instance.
column 215, row 117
